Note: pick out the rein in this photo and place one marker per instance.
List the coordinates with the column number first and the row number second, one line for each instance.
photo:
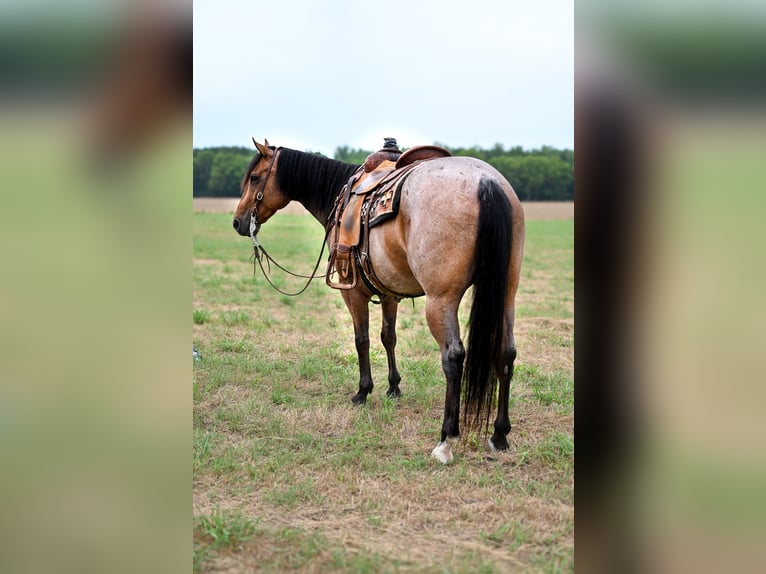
column 260, row 253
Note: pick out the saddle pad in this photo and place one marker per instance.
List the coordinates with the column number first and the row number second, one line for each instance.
column 384, row 203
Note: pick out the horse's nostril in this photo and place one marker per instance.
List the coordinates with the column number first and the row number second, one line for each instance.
column 236, row 224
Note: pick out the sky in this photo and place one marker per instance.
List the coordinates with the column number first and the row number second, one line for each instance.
column 315, row 75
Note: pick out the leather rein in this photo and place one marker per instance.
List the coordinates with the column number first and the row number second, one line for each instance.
column 260, row 253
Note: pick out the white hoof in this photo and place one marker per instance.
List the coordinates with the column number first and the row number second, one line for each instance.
column 491, row 446
column 443, row 451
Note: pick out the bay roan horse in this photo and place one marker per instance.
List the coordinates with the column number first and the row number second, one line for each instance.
column 459, row 224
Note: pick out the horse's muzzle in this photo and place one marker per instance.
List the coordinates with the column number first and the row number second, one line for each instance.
column 240, row 227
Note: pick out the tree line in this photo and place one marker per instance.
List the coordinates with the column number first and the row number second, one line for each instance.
column 543, row 174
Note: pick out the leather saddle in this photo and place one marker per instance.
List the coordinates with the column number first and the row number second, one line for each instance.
column 370, row 197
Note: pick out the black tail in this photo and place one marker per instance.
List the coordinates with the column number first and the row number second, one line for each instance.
column 490, row 285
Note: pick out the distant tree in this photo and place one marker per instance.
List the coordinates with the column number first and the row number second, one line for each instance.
column 350, row 155
column 474, row 151
column 497, row 151
column 226, row 174
column 537, row 177
column 567, row 155
column 548, row 150
column 203, row 160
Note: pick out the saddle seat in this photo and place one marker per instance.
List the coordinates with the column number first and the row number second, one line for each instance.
column 420, row 153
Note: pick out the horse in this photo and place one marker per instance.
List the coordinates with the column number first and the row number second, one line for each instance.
column 459, row 224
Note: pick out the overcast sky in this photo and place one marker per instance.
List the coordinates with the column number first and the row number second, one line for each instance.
column 314, row 75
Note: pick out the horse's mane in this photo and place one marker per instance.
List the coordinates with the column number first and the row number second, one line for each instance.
column 312, row 179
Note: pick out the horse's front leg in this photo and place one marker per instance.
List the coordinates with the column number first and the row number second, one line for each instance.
column 358, row 305
column 388, row 338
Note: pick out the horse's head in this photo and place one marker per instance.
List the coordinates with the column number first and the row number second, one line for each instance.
column 261, row 195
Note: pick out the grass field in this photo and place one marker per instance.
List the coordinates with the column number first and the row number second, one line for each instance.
column 289, row 475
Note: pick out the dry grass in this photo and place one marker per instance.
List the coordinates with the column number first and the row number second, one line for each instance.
column 332, row 487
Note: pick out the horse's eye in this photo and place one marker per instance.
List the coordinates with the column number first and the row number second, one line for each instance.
column 254, row 178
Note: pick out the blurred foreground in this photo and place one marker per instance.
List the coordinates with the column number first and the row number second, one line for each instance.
column 95, row 406
column 671, row 140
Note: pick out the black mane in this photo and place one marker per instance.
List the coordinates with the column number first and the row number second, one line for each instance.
column 311, row 179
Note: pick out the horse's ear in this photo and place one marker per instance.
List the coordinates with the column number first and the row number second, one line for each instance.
column 255, row 143
column 266, row 142
column 262, row 148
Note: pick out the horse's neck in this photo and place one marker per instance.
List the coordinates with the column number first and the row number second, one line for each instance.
column 314, row 182
column 319, row 213
column 315, row 202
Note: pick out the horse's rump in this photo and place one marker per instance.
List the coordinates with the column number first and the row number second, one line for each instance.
column 429, row 246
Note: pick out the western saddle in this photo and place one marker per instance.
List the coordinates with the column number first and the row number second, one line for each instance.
column 370, row 197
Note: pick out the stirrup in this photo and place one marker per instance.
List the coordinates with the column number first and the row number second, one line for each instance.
column 347, row 280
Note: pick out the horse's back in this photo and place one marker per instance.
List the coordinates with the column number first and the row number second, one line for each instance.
column 430, row 245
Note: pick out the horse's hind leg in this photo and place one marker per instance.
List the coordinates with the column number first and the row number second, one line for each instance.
column 358, row 306
column 388, row 338
column 504, row 367
column 443, row 322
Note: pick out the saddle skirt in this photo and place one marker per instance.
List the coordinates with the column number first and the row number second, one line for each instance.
column 370, row 198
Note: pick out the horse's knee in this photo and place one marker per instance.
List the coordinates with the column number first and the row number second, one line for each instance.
column 388, row 337
column 362, row 341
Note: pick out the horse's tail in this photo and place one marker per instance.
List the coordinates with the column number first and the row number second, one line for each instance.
column 490, row 286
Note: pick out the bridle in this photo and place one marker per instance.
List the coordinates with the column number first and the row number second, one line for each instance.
column 255, row 227
column 260, row 253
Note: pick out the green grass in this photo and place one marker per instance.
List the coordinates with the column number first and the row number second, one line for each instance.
column 332, row 487
column 218, row 531
column 226, row 529
column 548, row 388
column 200, row 316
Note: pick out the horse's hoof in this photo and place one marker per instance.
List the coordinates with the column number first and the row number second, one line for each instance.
column 442, row 454
column 359, row 399
column 394, row 393
column 496, row 444
column 443, row 450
